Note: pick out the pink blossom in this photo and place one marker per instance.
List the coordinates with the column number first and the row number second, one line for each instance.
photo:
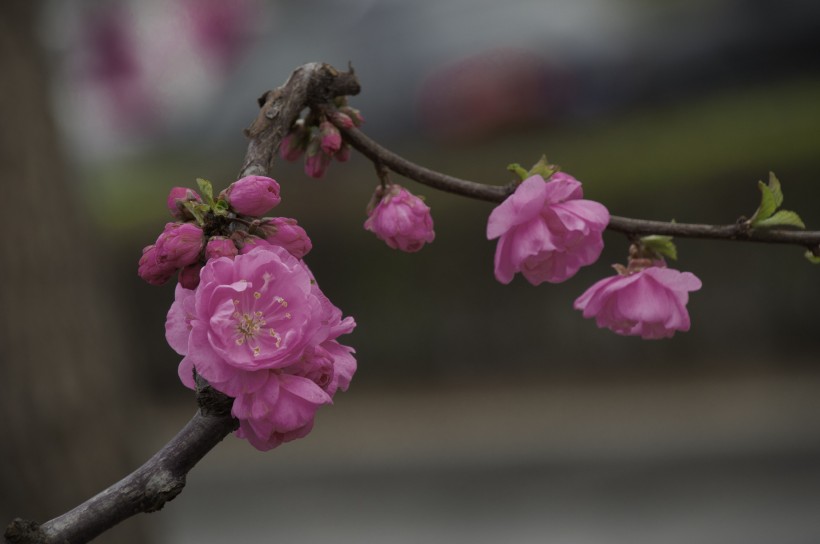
column 253, row 195
column 341, row 119
column 177, row 199
column 220, row 246
column 546, row 230
column 401, row 219
column 259, row 329
column 179, row 244
column 285, row 232
column 650, row 302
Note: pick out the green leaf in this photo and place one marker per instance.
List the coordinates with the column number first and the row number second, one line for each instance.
column 519, row 170
column 812, row 258
column 198, row 210
column 221, row 207
column 661, row 245
column 777, row 192
column 783, row 218
column 206, row 189
column 543, row 168
column 768, row 204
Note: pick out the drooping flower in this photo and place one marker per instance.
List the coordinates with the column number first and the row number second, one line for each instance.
column 259, row 329
column 546, row 230
column 253, row 195
column 401, row 219
column 647, row 302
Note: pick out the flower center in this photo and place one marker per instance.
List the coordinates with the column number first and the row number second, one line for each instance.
column 251, row 327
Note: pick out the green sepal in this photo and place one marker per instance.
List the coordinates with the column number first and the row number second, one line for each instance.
column 206, row 189
column 783, row 218
column 519, row 170
column 198, row 210
column 221, row 207
column 811, row 257
column 660, row 245
column 542, row 168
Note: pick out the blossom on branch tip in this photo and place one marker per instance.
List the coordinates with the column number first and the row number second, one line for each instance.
column 399, row 218
column 649, row 301
column 546, row 230
column 260, row 330
column 253, row 195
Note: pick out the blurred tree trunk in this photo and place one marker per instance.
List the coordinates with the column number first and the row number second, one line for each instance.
column 62, row 367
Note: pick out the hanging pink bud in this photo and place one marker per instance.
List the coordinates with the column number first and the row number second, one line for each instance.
column 343, row 155
column 286, row 233
column 400, row 219
column 293, row 145
column 179, row 245
column 316, row 166
column 152, row 271
column 220, row 246
column 189, row 276
column 253, row 195
column 177, row 199
column 341, row 119
column 354, row 115
column 331, row 138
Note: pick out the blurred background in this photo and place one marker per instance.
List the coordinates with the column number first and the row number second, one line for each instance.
column 480, row 412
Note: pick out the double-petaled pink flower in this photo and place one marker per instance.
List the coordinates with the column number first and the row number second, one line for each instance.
column 401, row 219
column 546, row 230
column 648, row 302
column 259, row 329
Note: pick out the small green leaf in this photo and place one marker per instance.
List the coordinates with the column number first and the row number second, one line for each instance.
column 661, row 245
column 198, row 210
column 812, row 258
column 207, row 190
column 768, row 204
column 519, row 170
column 542, row 168
column 221, row 207
column 777, row 192
column 783, row 218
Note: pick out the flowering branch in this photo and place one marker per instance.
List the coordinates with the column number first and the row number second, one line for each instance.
column 740, row 231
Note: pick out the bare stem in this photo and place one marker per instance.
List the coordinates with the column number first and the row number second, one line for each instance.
column 631, row 227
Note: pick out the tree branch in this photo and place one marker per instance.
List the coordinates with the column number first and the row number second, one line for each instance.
column 632, row 227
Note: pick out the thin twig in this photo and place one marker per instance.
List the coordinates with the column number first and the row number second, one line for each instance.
column 630, row 227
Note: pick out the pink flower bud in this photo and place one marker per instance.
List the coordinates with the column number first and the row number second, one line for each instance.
column 220, row 246
column 648, row 302
column 546, row 230
column 316, row 163
column 354, row 114
column 189, row 276
column 331, row 138
column 248, row 242
column 177, row 199
column 286, row 233
column 400, row 219
column 341, row 119
column 179, row 245
column 294, row 144
column 152, row 271
column 253, row 195
column 343, row 155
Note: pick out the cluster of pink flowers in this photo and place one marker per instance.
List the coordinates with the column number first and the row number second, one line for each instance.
column 184, row 246
column 248, row 315
column 399, row 218
column 318, row 139
column 547, row 232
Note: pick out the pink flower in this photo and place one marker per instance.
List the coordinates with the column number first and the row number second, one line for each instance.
column 220, row 246
column 177, row 199
column 400, row 219
column 253, row 195
column 285, row 232
column 650, row 302
column 179, row 244
column 259, row 329
column 546, row 231
column 316, row 163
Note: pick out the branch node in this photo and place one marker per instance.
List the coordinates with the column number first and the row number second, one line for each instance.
column 23, row 531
